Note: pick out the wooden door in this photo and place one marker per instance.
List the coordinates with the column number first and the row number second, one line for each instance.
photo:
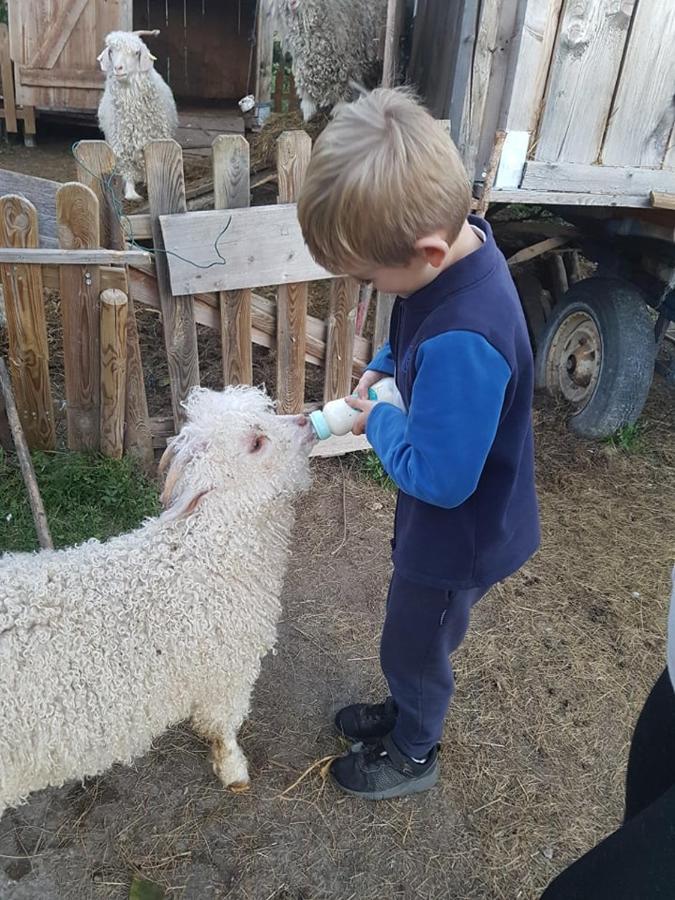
column 54, row 45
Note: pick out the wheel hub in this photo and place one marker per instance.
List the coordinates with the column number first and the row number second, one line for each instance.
column 574, row 359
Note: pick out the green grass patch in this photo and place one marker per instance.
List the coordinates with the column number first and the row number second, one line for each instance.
column 84, row 495
column 629, row 439
column 369, row 466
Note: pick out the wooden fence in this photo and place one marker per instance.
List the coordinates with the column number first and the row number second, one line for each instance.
column 72, row 238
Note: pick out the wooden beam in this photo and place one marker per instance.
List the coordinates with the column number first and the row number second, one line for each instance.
column 26, row 324
column 561, row 198
column 595, row 179
column 166, row 194
column 293, row 151
column 261, row 247
column 39, row 256
column 7, row 77
column 113, row 371
column 25, row 462
column 232, row 190
column 395, row 12
column 78, row 224
column 538, row 249
column 57, row 31
column 82, row 79
column 660, row 200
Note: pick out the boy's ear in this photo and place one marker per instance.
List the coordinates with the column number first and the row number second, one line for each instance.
column 434, row 250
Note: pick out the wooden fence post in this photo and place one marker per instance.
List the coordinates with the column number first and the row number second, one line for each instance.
column 166, row 194
column 7, row 78
column 293, row 151
column 26, row 325
column 344, row 297
column 113, row 370
column 385, row 304
column 231, row 189
column 95, row 168
column 78, row 228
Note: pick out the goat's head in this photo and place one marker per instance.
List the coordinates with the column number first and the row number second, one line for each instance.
column 125, row 54
column 234, row 443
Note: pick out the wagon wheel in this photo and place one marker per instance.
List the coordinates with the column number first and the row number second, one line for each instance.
column 597, row 352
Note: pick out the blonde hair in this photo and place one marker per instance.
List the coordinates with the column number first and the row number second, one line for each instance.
column 383, row 174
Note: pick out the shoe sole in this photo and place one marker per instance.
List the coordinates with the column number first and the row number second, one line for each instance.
column 413, row 786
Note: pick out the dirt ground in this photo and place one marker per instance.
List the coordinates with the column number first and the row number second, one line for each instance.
column 557, row 664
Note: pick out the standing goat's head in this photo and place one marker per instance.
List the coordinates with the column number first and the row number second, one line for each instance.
column 125, row 54
column 233, row 442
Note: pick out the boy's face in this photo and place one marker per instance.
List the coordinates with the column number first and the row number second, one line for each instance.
column 429, row 255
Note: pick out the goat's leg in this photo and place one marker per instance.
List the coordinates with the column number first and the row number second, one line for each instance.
column 130, row 192
column 220, row 725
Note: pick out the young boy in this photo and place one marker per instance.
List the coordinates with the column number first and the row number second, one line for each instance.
column 386, row 199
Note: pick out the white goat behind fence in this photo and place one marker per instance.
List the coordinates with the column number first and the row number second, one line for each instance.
column 137, row 105
column 105, row 645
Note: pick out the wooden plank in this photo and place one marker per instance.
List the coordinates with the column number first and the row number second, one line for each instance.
column 113, row 371
column 264, row 53
column 231, row 180
column 50, row 257
column 82, row 79
column 491, row 173
column 78, row 224
column 344, row 298
column 582, row 80
column 59, row 29
column 7, row 76
column 385, row 304
column 95, row 167
column 293, row 151
column 576, row 177
column 25, row 462
column 392, row 34
column 461, row 77
column 41, row 193
column 561, row 198
column 26, row 326
column 660, row 200
column 538, row 249
column 512, row 159
column 166, row 195
column 643, row 112
column 532, row 51
column 263, row 246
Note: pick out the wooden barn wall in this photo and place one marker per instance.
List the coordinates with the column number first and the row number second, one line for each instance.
column 203, row 49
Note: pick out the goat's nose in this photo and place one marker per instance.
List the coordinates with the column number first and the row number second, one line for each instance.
column 303, row 421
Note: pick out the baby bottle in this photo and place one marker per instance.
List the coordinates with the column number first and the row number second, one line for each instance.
column 337, row 417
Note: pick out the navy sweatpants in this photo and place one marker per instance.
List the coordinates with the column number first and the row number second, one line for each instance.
column 423, row 626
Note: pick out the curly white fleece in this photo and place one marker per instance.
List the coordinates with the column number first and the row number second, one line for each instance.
column 104, row 645
column 136, row 110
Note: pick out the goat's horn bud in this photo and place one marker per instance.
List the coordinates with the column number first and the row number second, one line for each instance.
column 152, row 33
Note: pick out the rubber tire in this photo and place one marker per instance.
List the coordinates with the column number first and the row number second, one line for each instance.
column 628, row 353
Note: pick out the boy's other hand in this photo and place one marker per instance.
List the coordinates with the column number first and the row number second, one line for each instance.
column 365, row 408
column 368, row 379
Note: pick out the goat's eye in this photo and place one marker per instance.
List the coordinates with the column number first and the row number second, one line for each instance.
column 257, row 443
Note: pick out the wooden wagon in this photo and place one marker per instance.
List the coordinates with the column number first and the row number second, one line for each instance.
column 572, row 101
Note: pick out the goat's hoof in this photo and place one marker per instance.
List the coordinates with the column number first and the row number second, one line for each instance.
column 239, row 787
column 133, row 198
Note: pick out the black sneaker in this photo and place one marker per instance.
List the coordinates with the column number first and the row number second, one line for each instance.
column 366, row 721
column 380, row 771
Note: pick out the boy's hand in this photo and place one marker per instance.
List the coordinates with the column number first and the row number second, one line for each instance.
column 368, row 379
column 365, row 407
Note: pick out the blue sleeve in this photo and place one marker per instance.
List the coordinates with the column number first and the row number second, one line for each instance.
column 383, row 361
column 436, row 452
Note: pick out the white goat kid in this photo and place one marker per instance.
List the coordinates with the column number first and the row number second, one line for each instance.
column 105, row 645
column 137, row 104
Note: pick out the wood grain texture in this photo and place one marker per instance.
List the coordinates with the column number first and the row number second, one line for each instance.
column 55, row 257
column 294, row 149
column 231, row 189
column 95, row 167
column 643, row 113
column 113, row 371
column 542, row 176
column 385, row 304
column 479, row 83
column 582, row 80
column 344, row 298
column 538, row 249
column 26, row 326
column 265, row 59
column 166, row 194
column 7, row 76
column 660, row 200
column 58, row 30
column 41, row 193
column 392, row 34
column 562, row 198
column 78, row 228
column 9, row 410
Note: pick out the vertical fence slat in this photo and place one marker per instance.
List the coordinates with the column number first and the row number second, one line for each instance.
column 166, row 194
column 7, row 77
column 113, row 325
column 385, row 304
column 95, row 168
column 344, row 298
column 293, row 151
column 26, row 325
column 78, row 229
column 231, row 190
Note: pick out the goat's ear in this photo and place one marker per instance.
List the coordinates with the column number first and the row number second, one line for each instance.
column 104, row 60
column 147, row 59
column 185, row 506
